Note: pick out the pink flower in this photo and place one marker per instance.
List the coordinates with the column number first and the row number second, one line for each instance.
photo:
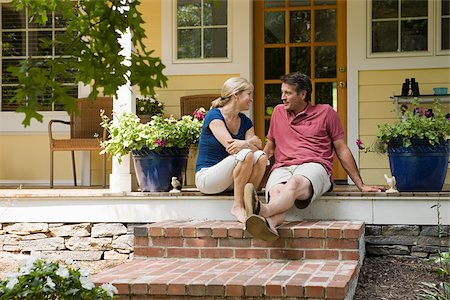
column 161, row 143
column 360, row 144
column 199, row 114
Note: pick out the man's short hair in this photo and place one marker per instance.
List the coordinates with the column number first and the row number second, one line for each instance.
column 300, row 81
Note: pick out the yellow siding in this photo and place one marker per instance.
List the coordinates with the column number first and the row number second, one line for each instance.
column 376, row 107
column 151, row 14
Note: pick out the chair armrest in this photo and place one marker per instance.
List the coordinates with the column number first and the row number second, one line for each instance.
column 50, row 123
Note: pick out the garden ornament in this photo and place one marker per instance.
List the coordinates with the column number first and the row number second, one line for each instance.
column 176, row 185
column 391, row 183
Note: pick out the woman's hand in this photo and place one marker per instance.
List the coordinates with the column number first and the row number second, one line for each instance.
column 234, row 146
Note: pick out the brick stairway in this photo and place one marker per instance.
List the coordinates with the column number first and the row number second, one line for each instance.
column 220, row 260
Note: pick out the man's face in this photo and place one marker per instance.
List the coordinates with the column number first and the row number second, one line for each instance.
column 292, row 101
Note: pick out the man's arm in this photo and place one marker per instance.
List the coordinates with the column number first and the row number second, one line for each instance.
column 348, row 162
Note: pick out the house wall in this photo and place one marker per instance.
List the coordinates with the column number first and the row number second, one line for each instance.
column 375, row 107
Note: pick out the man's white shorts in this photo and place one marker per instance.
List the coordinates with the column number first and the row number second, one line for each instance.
column 314, row 172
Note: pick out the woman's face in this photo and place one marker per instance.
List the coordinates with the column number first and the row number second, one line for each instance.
column 245, row 99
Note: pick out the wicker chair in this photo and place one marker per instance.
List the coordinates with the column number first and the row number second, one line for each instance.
column 189, row 104
column 85, row 132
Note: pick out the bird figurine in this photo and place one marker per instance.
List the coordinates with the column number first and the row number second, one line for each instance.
column 176, row 185
column 391, row 183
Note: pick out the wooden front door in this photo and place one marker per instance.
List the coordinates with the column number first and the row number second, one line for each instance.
column 300, row 35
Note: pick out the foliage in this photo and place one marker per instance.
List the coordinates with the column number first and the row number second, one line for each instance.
column 38, row 279
column 91, row 53
column 432, row 126
column 149, row 106
column 127, row 133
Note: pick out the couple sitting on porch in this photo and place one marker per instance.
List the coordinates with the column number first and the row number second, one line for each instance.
column 302, row 139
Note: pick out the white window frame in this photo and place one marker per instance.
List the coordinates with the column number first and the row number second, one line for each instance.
column 177, row 60
column 439, row 50
column 240, row 15
column 430, row 42
column 11, row 121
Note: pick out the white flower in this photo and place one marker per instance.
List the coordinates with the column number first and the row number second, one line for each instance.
column 110, row 289
column 50, row 283
column 86, row 283
column 152, row 100
column 12, row 282
column 142, row 108
column 84, row 272
column 62, row 272
column 160, row 104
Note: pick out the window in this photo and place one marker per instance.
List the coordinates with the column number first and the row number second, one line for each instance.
column 22, row 39
column 444, row 26
column 202, row 29
column 399, row 26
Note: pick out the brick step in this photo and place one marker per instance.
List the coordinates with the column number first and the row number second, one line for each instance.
column 172, row 278
column 335, row 240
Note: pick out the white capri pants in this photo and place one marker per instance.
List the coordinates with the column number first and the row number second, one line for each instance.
column 219, row 178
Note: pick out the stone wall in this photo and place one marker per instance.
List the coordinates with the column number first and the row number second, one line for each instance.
column 410, row 240
column 83, row 241
column 106, row 241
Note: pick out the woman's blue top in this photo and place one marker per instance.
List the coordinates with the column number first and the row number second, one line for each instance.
column 210, row 150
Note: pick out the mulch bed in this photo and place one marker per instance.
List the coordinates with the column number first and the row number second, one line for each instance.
column 386, row 278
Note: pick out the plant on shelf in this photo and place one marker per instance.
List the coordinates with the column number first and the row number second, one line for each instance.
column 417, row 146
column 152, row 145
column 149, row 106
column 38, row 279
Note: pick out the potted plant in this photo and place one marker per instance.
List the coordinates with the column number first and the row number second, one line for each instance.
column 160, row 148
column 146, row 107
column 417, row 147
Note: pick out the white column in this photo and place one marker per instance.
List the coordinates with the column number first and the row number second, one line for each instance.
column 124, row 101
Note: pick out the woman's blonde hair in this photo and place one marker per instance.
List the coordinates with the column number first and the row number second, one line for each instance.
column 232, row 86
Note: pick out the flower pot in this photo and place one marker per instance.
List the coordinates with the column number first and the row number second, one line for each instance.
column 420, row 167
column 155, row 168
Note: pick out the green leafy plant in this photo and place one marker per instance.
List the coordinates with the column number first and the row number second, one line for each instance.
column 127, row 133
column 431, row 125
column 91, row 53
column 149, row 106
column 38, row 279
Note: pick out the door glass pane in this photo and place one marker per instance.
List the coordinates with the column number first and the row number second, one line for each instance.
column 274, row 61
column 215, row 12
column 13, row 43
column 274, row 27
column 301, row 60
column 324, row 2
column 300, row 26
column 215, row 42
column 325, row 25
column 272, row 97
column 273, row 3
column 326, row 93
column 299, row 3
column 414, row 35
column 445, row 34
column 189, row 13
column 189, row 44
column 384, row 9
column 414, row 8
column 325, row 62
column 384, row 36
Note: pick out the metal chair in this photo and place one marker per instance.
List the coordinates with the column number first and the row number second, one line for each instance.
column 86, row 132
column 188, row 104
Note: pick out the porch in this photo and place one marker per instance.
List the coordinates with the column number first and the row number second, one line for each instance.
column 73, row 205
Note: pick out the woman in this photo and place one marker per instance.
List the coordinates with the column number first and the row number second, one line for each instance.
column 229, row 154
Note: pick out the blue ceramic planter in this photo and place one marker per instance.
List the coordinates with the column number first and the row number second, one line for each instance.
column 420, row 167
column 155, row 169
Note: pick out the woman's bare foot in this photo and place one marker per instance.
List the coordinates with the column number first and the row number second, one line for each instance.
column 239, row 213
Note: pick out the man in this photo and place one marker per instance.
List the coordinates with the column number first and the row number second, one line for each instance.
column 303, row 138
